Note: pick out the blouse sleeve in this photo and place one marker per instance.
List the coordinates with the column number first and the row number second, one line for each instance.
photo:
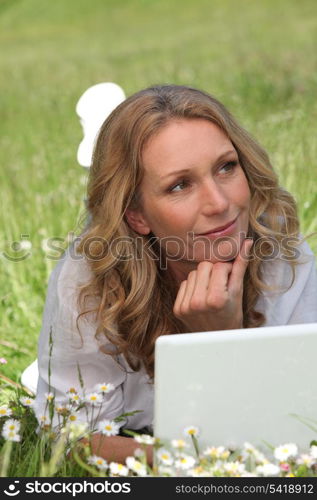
column 298, row 304
column 68, row 358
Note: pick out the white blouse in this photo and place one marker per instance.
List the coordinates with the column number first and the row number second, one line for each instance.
column 133, row 390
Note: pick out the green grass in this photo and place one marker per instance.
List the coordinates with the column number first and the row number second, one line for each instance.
column 42, row 452
column 259, row 58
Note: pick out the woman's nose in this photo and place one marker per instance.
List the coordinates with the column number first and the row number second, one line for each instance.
column 214, row 199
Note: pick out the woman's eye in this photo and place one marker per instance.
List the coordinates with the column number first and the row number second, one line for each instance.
column 229, row 166
column 183, row 184
column 178, row 187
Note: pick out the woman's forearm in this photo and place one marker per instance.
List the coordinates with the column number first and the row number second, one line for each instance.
column 116, row 448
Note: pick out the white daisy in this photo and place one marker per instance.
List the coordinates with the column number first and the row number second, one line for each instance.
column 196, row 471
column 98, row 462
column 73, row 417
column 62, row 410
column 94, row 398
column 118, row 469
column 5, row 411
column 268, row 470
column 25, row 401
column 285, row 451
column 104, row 388
column 164, row 470
column 185, row 462
column 234, row 468
column 75, row 398
column 136, row 466
column 144, row 439
column 43, row 420
column 164, row 456
column 179, row 444
column 12, row 425
column 108, row 427
column 199, row 471
column 10, row 435
column 49, row 396
column 191, row 431
column 260, row 459
column 77, row 430
column 217, row 452
column 248, row 449
column 71, row 391
column 305, row 459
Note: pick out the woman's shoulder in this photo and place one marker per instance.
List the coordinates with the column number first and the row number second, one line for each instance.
column 71, row 270
column 62, row 308
column 277, row 270
column 292, row 293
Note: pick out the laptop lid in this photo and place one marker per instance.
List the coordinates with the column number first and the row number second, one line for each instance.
column 238, row 385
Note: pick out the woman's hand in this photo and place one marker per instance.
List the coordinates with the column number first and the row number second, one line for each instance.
column 211, row 296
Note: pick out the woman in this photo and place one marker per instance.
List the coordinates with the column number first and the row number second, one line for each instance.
column 188, row 231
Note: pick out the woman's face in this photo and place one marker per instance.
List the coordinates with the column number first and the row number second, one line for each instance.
column 193, row 184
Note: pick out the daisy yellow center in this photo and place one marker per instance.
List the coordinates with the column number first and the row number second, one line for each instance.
column 11, row 434
column 191, row 432
column 73, row 417
column 165, row 456
column 104, row 388
column 183, row 460
column 108, row 427
column 12, row 427
column 3, row 412
column 93, row 398
column 99, row 462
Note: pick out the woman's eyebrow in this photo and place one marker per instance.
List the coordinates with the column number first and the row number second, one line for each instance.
column 186, row 170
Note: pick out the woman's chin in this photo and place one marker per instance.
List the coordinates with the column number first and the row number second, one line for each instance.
column 222, row 251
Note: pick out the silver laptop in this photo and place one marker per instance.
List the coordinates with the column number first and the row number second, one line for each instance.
column 257, row 385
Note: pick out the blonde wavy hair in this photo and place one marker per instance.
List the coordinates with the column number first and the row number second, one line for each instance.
column 135, row 296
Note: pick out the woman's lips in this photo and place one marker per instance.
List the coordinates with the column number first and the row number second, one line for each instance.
column 225, row 231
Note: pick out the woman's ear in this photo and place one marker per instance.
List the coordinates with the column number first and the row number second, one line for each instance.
column 137, row 221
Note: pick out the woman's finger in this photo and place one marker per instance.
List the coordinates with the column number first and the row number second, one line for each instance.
column 240, row 265
column 190, row 286
column 199, row 294
column 179, row 298
column 218, row 284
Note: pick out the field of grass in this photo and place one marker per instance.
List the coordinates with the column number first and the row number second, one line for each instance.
column 259, row 58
